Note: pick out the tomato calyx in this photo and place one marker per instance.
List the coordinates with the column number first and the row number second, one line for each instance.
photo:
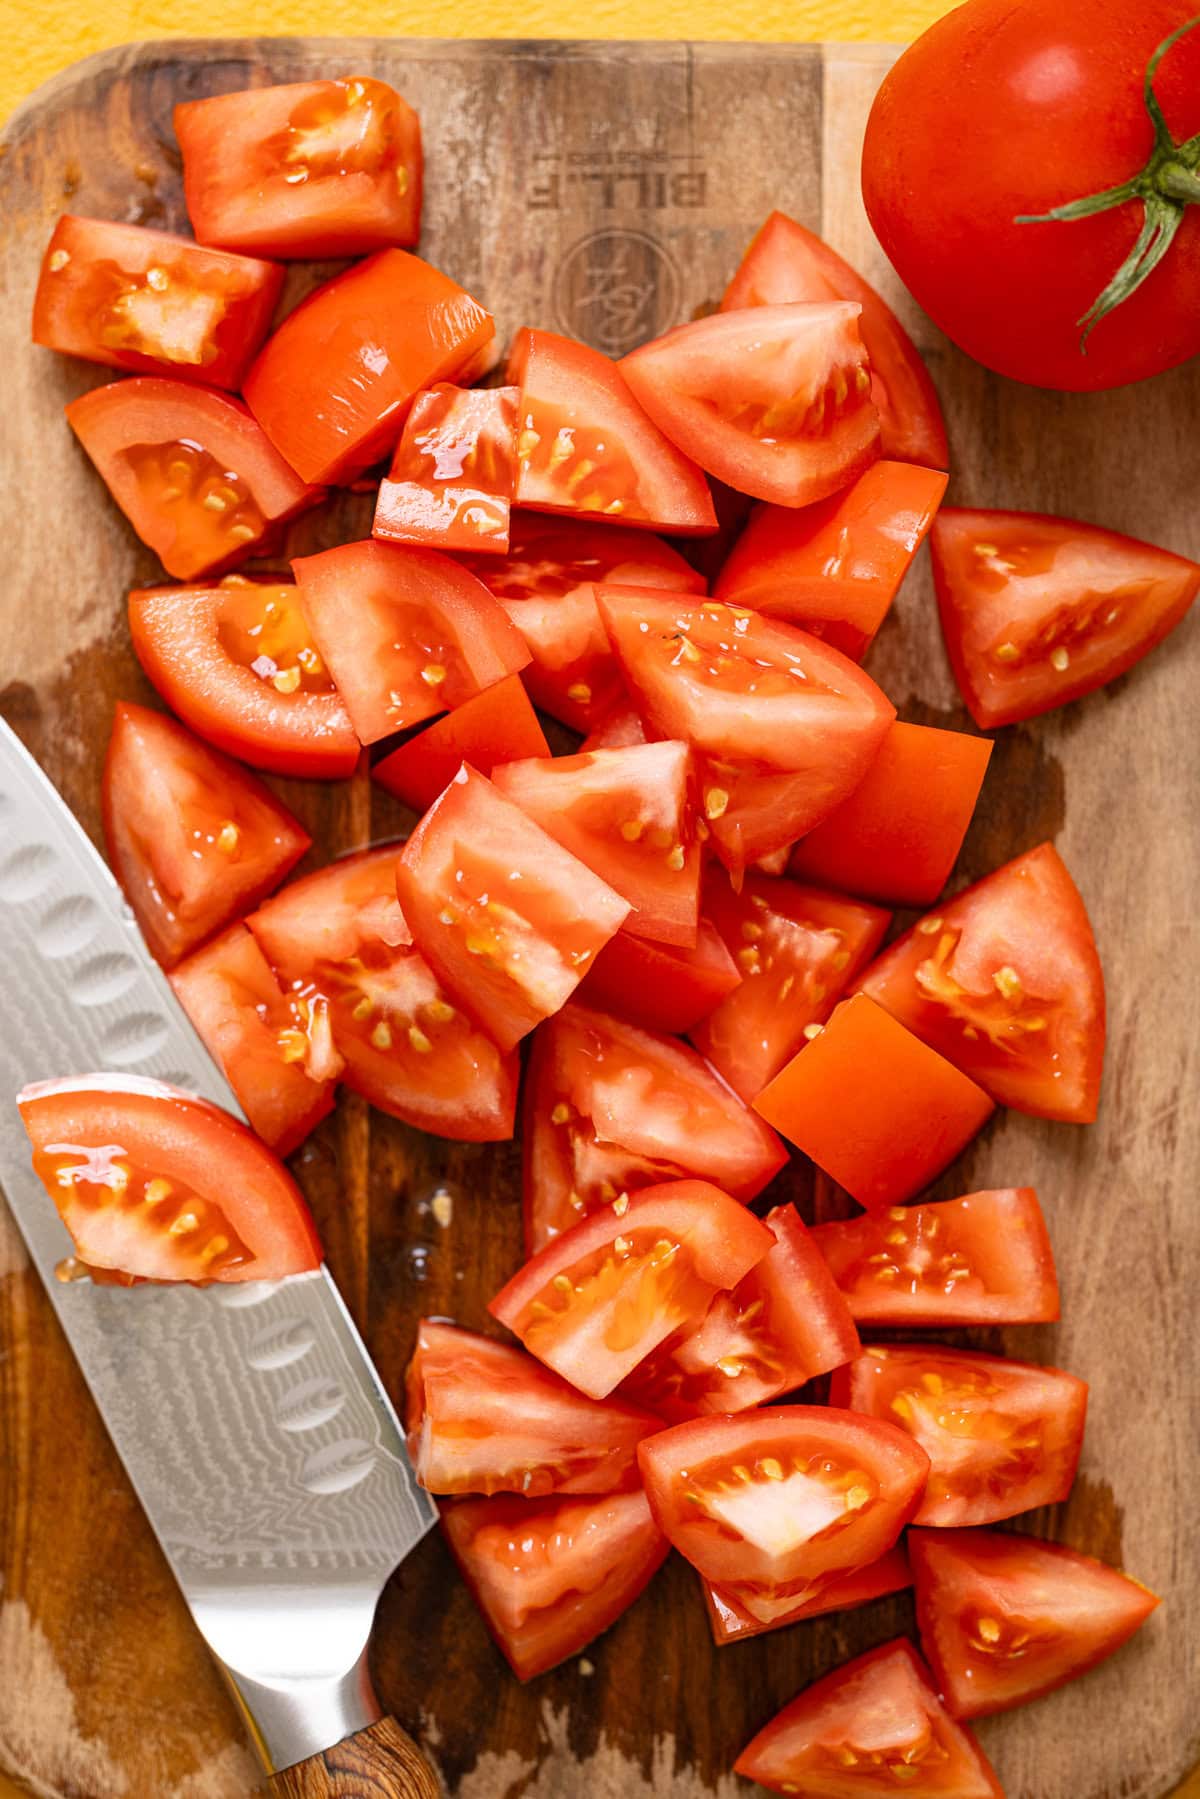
column 1166, row 187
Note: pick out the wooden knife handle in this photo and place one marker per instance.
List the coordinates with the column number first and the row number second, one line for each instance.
column 380, row 1762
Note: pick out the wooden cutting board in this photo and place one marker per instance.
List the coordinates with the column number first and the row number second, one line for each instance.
column 607, row 191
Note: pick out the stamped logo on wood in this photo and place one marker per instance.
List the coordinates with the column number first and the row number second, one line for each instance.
column 614, row 289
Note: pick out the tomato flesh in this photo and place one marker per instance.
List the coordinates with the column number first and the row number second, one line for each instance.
column 730, row 1622
column 497, row 725
column 454, row 474
column 661, row 986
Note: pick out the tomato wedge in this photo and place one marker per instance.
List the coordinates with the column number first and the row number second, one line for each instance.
column 151, row 303
column 776, row 1503
column 154, row 1184
column 332, row 387
column 732, row 1623
column 483, row 1417
column 874, row 1106
column 454, row 474
column 1037, row 611
column 661, row 986
column 405, row 633
column 598, row 1299
column 549, row 1575
column 782, row 1325
column 275, row 1053
column 313, row 168
column 341, row 947
column 796, row 949
column 786, row 263
column 1004, row 981
column 873, row 1725
column 238, row 664
column 983, row 1259
column 786, row 726
column 834, row 568
column 497, row 725
column 586, row 446
column 774, row 402
column 1002, row 1437
column 193, row 839
column 628, row 814
column 1007, row 1618
column 610, row 1108
column 195, row 476
column 508, row 919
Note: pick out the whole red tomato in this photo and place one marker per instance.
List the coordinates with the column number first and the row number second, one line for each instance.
column 1004, row 110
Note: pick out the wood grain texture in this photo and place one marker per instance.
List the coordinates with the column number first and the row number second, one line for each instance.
column 379, row 1763
column 607, row 190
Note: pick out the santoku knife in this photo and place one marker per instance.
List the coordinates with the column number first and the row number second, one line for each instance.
column 251, row 1422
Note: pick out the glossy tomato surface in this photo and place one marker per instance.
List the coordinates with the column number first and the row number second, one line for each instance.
column 730, row 1622
column 496, row 725
column 454, row 474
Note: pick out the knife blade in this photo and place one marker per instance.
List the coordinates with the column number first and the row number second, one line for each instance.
column 254, row 1428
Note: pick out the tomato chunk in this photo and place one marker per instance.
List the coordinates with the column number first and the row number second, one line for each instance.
column 1007, row 1618
column 497, row 725
column 238, row 664
column 874, row 1725
column 1001, row 1437
column 983, row 1259
column 779, row 1327
column 312, row 168
column 150, row 303
column 598, row 1299
column 332, row 387
column 619, row 729
column 1038, row 611
column 454, row 474
column 1005, row 982
column 661, row 986
column 609, row 1109
column 195, row 476
column 340, row 944
column 483, row 1417
column 193, row 839
column 586, row 445
column 775, row 402
column 874, row 1106
column 549, row 1575
column 730, row 1622
column 786, row 263
column 405, row 633
column 796, row 949
column 269, row 1046
column 154, row 1184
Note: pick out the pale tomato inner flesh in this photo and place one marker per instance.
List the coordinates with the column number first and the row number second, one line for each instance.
column 779, row 1503
column 350, row 127
column 962, row 1422
column 166, row 312
column 214, row 512
column 263, row 628
column 569, row 463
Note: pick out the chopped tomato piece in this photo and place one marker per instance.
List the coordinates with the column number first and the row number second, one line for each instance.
column 1004, row 981
column 897, row 836
column 984, row 1259
column 610, row 1108
column 774, row 402
column 586, row 446
column 238, row 664
column 786, row 263
column 1038, row 611
column 782, row 1325
column 341, row 947
column 598, row 1299
column 1007, row 1618
column 270, row 1049
column 193, row 839
column 497, row 725
column 629, row 815
column 874, row 1725
column 483, row 1417
column 661, row 986
column 405, row 633
column 619, row 729
column 454, row 474
column 874, row 1106
column 797, row 949
column 1001, row 1437
column 508, row 919
column 154, row 1184
column 151, row 303
column 786, row 727
column 731, row 1622
column 332, row 387
column 195, row 476
column 834, row 568
column 549, row 1575
column 313, row 168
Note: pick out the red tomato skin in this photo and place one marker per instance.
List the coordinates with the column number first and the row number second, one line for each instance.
column 731, row 1623
column 498, row 725
column 91, row 265
column 661, row 986
column 454, row 474
column 786, row 263
column 1050, row 98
